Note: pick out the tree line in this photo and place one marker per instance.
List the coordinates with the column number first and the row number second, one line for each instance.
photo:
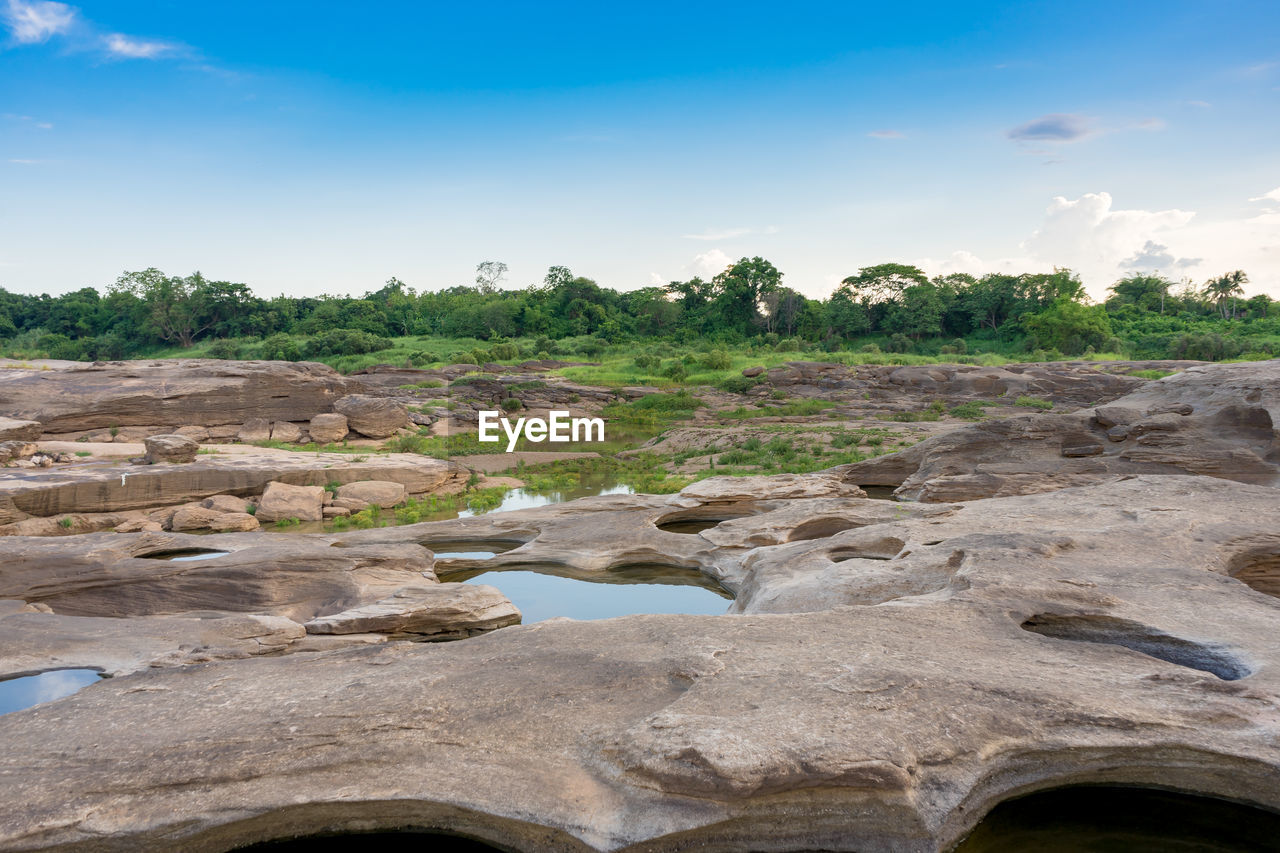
column 892, row 306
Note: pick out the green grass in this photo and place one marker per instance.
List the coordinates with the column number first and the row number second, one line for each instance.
column 793, row 409
column 83, row 453
column 1033, row 402
column 972, row 410
column 1152, row 374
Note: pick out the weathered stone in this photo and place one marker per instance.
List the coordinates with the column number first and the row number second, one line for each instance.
column 139, row 525
column 195, row 433
column 194, row 518
column 16, row 450
column 234, row 522
column 254, row 430
column 328, row 428
column 750, row 372
column 169, row 449
column 335, row 512
column 437, row 611
column 12, row 429
column 1109, row 416
column 74, row 397
column 226, row 503
column 1079, row 447
column 375, row 417
column 281, row 501
column 285, row 431
column 353, row 504
column 1118, row 433
column 381, row 493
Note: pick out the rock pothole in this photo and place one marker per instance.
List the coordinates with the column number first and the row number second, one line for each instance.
column 1139, row 638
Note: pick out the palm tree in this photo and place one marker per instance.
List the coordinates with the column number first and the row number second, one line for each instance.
column 1227, row 286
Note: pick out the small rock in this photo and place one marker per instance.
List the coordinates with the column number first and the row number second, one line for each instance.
column 374, row 417
column 169, row 448
column 1118, row 433
column 752, row 371
column 286, row 432
column 281, row 500
column 336, row 512
column 234, row 522
column 381, row 492
column 326, row 429
column 195, row 433
column 225, row 503
column 1109, row 416
column 353, row 504
column 139, row 525
column 194, row 518
column 254, row 429
column 13, row 429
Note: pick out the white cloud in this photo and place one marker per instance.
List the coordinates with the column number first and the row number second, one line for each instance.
column 709, row 263
column 127, row 47
column 35, row 21
column 1201, row 104
column 887, row 134
column 1054, row 127
column 1103, row 244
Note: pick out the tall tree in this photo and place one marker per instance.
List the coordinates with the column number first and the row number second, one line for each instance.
column 489, row 274
column 1226, row 289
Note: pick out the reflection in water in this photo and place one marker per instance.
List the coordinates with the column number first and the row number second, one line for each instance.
column 540, row 594
column 433, row 842
column 880, row 493
column 1122, row 820
column 521, row 499
column 19, row 693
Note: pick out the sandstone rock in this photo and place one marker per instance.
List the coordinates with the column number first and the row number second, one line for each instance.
column 281, row 501
column 194, row 518
column 353, row 504
column 11, row 451
column 1118, row 433
column 328, row 428
column 224, row 432
column 381, row 493
column 752, row 371
column 197, row 434
column 76, row 397
column 335, row 512
column 225, row 503
column 234, row 522
column 1109, row 416
column 437, row 612
column 139, row 525
column 254, row 430
column 169, row 449
column 878, row 686
column 12, row 429
column 285, row 431
column 375, row 417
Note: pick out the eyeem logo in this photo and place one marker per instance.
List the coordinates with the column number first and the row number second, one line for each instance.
column 559, row 428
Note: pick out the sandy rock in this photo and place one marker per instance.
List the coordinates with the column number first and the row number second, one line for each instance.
column 254, row 430
column 13, row 451
column 139, row 525
column 375, row 417
column 12, row 429
column 437, row 612
column 285, row 431
column 752, row 371
column 328, row 428
column 381, row 493
column 353, row 504
column 197, row 434
column 169, row 449
column 336, row 512
column 74, row 397
column 194, row 518
column 234, row 522
column 281, row 500
column 225, row 503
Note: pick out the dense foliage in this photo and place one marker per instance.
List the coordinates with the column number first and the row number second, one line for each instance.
column 889, row 307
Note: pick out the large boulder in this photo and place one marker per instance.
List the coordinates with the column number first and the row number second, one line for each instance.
column 380, row 492
column 12, row 429
column 194, row 392
column 281, row 501
column 286, row 432
column 436, row 612
column 169, row 448
column 374, row 417
column 328, row 428
column 255, row 430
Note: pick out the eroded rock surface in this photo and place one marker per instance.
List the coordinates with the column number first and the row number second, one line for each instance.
column 1216, row 420
column 891, row 672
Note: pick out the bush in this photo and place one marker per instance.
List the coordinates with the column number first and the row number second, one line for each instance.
column 899, row 342
column 280, row 347
column 647, row 362
column 511, row 404
column 870, row 349
column 504, row 352
column 345, row 342
column 717, row 359
column 969, row 411
column 225, row 349
column 737, row 384
column 676, row 371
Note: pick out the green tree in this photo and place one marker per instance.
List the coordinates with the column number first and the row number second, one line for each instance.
column 179, row 309
column 1226, row 290
column 1068, row 326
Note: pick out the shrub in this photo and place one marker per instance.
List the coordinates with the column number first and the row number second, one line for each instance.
column 345, row 342
column 737, row 384
column 717, row 359
column 647, row 362
column 504, row 352
column 676, row 371
column 969, row 411
column 511, row 404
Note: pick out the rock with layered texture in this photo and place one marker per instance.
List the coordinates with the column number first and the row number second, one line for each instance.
column 12, row 429
column 434, row 611
column 374, row 417
column 328, row 428
column 244, row 472
column 74, row 397
column 1216, row 420
column 379, row 492
column 174, row 449
column 880, row 686
column 282, row 501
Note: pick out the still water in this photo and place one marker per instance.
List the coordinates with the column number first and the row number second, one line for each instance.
column 19, row 693
column 547, row 592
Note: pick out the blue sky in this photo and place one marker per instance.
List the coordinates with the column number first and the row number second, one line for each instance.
column 318, row 147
